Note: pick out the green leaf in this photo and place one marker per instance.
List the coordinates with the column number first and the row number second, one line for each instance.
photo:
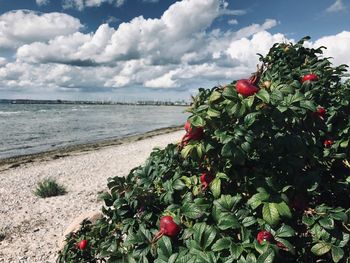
column 185, row 152
column 263, row 95
column 267, row 257
column 164, row 246
column 236, row 250
column 192, row 210
column 327, row 222
column 250, row 258
column 285, row 231
column 307, row 104
column 227, row 149
column 213, row 113
column 221, row 244
column 337, row 254
column 248, row 221
column 249, row 119
column 257, row 199
column 320, row 249
column 228, row 220
column 270, row 213
column 215, row 187
column 283, row 210
column 230, row 93
column 197, row 121
column 214, row 96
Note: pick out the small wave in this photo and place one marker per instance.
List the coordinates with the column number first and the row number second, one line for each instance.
column 10, row 112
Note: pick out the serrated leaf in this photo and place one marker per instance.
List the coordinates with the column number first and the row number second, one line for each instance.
column 285, row 231
column 248, row 221
column 228, row 220
column 327, row 222
column 284, row 210
column 263, row 95
column 221, row 244
column 307, row 104
column 185, row 152
column 320, row 249
column 214, row 96
column 213, row 113
column 267, row 257
column 337, row 254
column 230, row 92
column 215, row 187
column 257, row 199
column 191, row 210
column 197, row 121
column 270, row 213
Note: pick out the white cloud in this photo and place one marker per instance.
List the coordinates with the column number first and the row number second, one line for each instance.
column 24, row 26
column 232, row 22
column 177, row 51
column 337, row 6
column 3, row 61
column 81, row 4
column 338, row 47
column 42, row 2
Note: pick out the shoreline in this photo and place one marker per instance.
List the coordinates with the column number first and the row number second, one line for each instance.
column 33, row 228
column 16, row 161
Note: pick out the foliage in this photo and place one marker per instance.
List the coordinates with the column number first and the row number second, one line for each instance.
column 49, row 187
column 272, row 172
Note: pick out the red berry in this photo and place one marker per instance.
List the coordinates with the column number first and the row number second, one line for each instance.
column 168, row 227
column 82, row 244
column 264, row 236
column 327, row 143
column 309, row 77
column 188, row 126
column 321, row 112
column 246, row 88
column 206, row 179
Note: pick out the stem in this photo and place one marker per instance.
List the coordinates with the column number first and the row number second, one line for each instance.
column 157, row 236
column 255, row 78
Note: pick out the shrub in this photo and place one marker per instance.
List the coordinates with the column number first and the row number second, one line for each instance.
column 260, row 184
column 49, row 187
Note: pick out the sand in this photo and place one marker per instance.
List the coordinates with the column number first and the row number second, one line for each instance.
column 32, row 226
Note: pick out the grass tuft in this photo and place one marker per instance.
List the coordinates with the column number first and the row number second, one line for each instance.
column 49, row 187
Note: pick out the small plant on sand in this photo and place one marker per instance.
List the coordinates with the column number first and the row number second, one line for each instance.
column 49, row 187
column 2, row 234
column 261, row 175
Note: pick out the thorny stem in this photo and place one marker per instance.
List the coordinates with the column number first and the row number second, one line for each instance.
column 157, row 236
column 255, row 78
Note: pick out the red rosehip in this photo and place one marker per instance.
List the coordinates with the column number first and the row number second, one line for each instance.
column 321, row 112
column 264, row 236
column 188, row 126
column 168, row 227
column 82, row 244
column 327, row 143
column 206, row 179
column 309, row 77
column 246, row 88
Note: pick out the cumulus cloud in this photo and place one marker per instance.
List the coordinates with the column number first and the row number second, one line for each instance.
column 178, row 51
column 337, row 6
column 338, row 47
column 24, row 26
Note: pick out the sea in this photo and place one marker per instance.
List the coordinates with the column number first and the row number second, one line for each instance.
column 33, row 128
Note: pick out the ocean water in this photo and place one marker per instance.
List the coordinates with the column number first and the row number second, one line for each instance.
column 26, row 129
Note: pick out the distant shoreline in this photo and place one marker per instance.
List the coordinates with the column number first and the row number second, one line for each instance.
column 15, row 161
column 84, row 102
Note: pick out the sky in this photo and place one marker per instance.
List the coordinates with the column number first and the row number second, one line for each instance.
column 127, row 50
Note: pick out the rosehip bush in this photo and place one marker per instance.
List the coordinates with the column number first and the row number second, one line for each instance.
column 272, row 190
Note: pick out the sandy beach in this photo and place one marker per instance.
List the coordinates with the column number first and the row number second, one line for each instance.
column 33, row 226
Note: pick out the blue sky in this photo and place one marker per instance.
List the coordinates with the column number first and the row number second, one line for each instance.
column 136, row 49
